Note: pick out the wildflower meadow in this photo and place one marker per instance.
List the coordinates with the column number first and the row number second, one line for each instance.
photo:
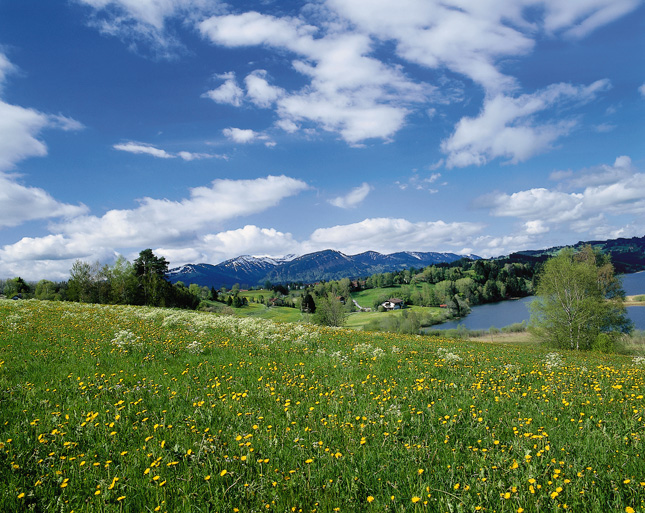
column 135, row 409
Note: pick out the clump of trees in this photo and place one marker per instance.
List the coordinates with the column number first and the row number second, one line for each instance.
column 580, row 302
column 142, row 282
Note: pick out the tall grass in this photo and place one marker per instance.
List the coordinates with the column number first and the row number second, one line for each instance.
column 107, row 408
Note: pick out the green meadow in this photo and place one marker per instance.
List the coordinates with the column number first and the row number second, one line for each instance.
column 135, row 409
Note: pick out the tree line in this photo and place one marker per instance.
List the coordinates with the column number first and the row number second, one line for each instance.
column 142, row 282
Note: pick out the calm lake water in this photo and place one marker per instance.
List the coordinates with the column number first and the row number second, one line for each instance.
column 504, row 313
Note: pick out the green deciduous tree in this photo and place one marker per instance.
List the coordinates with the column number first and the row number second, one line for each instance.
column 580, row 300
column 329, row 311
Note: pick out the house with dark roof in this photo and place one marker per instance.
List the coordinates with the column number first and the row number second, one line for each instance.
column 393, row 304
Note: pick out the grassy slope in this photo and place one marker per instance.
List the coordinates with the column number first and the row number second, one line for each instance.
column 128, row 409
column 366, row 297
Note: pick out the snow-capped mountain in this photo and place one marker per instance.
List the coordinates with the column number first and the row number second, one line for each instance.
column 249, row 271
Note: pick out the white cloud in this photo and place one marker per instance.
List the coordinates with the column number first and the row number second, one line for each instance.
column 536, row 227
column 488, row 246
column 157, row 221
column 349, row 92
column 19, row 203
column 248, row 240
column 641, row 90
column 245, row 136
column 143, row 149
column 188, row 156
column 354, row 94
column 6, row 68
column 229, row 92
column 599, row 195
column 353, row 198
column 240, row 135
column 600, row 175
column 335, row 46
column 144, row 21
column 391, row 235
column 259, row 91
column 19, row 131
column 539, row 203
column 578, row 19
column 171, row 225
column 148, row 149
column 507, row 127
column 19, row 128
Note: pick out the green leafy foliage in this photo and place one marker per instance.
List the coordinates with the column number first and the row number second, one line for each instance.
column 580, row 301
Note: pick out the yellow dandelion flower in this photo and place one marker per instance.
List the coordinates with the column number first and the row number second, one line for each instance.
column 21, row 495
column 370, row 499
column 416, row 499
column 309, row 460
column 207, row 478
column 629, row 509
column 120, row 498
column 223, row 473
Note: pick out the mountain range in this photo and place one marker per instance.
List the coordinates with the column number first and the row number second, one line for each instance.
column 250, row 271
column 628, row 255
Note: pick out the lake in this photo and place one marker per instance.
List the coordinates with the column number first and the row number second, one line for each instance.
column 504, row 313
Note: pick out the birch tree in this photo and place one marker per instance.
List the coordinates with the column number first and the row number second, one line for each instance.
column 579, row 298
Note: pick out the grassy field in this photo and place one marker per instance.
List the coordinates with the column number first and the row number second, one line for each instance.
column 366, row 297
column 132, row 409
column 358, row 320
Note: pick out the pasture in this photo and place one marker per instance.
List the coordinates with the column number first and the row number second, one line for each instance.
column 133, row 409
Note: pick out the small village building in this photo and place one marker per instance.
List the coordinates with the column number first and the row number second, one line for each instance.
column 393, row 304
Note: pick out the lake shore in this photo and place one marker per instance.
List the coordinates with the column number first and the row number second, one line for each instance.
column 636, row 300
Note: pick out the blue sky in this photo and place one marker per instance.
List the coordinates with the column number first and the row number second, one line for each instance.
column 205, row 130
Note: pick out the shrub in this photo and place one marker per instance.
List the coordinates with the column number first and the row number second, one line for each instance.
column 604, row 343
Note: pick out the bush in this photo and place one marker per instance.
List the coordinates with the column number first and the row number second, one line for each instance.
column 604, row 343
column 517, row 327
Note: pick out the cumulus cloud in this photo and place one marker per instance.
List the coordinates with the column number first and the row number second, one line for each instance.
column 349, row 92
column 229, row 92
column 245, row 136
column 641, row 90
column 353, row 198
column 593, row 196
column 20, row 132
column 603, row 174
column 259, row 91
column 248, row 240
column 354, row 94
column 391, row 235
column 350, row 89
column 155, row 223
column 20, row 129
column 507, row 127
column 20, row 203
